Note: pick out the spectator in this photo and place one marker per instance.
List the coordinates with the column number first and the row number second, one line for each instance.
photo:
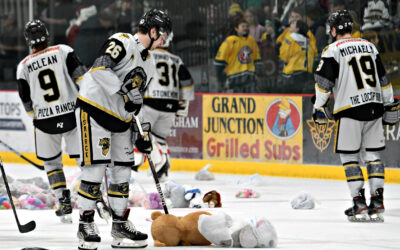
column 238, row 61
column 125, row 20
column 10, row 47
column 255, row 29
column 92, row 34
column 57, row 19
column 296, row 13
column 269, row 57
column 375, row 15
column 356, row 25
column 371, row 36
column 297, row 52
column 292, row 4
column 235, row 10
column 316, row 20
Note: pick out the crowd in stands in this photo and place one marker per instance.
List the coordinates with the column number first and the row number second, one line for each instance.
column 290, row 34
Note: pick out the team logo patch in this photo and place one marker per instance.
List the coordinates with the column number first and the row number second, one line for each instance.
column 283, row 118
column 94, row 190
column 123, row 188
column 104, row 143
column 321, row 134
column 244, row 55
column 139, row 78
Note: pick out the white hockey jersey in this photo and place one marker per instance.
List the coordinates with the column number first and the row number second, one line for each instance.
column 123, row 57
column 50, row 87
column 352, row 69
column 172, row 82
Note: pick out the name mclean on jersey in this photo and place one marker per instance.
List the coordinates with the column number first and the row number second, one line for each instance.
column 58, row 109
column 43, row 62
column 356, row 49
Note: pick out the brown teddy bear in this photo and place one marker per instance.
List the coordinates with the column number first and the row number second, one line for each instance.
column 171, row 230
column 213, row 199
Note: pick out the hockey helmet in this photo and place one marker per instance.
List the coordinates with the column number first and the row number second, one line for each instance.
column 342, row 21
column 36, row 33
column 158, row 19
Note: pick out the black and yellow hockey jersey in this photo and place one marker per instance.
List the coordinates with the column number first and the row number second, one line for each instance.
column 238, row 57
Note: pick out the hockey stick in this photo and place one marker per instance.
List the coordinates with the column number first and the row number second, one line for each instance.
column 22, row 228
column 153, row 170
column 20, row 155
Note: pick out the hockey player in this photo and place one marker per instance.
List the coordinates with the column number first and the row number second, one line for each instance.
column 167, row 96
column 47, row 87
column 110, row 94
column 352, row 69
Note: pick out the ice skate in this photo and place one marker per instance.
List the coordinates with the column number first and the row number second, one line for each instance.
column 102, row 208
column 124, row 233
column 358, row 212
column 376, row 207
column 64, row 209
column 88, row 233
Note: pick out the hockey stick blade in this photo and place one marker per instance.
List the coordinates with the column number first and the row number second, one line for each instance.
column 30, row 226
column 20, row 155
column 153, row 169
column 22, row 228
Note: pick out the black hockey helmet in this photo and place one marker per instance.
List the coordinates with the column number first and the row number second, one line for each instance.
column 342, row 21
column 36, row 33
column 155, row 18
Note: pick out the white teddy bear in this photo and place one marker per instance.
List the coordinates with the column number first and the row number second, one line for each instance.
column 222, row 231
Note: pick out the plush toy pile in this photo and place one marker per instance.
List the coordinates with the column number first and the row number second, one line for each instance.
column 203, row 228
column 30, row 194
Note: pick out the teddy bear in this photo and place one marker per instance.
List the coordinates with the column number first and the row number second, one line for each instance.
column 171, row 230
column 221, row 230
column 182, row 196
column 213, row 199
column 203, row 228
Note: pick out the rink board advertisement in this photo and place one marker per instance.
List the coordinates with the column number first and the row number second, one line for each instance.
column 319, row 141
column 185, row 140
column 254, row 128
column 16, row 128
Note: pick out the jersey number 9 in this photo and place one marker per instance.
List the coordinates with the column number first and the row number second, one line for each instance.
column 48, row 80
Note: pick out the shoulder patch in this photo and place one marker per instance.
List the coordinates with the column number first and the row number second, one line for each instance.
column 325, row 49
column 124, row 35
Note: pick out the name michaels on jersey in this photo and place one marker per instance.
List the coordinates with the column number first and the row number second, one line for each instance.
column 43, row 62
column 56, row 110
column 356, row 49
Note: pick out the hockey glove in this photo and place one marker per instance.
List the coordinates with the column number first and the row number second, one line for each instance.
column 143, row 143
column 321, row 115
column 392, row 113
column 183, row 108
column 132, row 97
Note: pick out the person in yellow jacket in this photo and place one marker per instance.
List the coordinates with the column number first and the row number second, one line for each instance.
column 238, row 62
column 297, row 51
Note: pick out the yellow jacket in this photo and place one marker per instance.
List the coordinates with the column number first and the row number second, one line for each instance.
column 238, row 54
column 297, row 53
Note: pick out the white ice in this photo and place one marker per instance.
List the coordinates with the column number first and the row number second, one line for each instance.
column 324, row 227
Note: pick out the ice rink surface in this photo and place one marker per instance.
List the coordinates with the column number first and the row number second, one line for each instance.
column 324, row 227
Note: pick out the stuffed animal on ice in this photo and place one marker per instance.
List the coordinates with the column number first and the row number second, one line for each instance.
column 213, row 199
column 170, row 230
column 203, row 228
column 182, row 196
